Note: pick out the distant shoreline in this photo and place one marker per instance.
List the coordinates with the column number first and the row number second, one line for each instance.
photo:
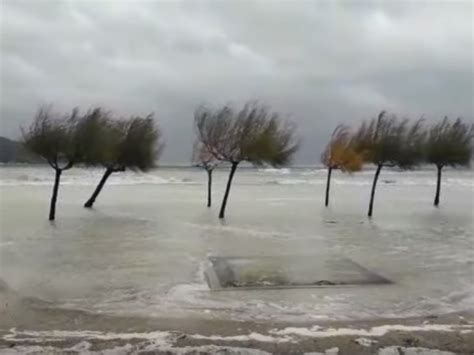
column 246, row 167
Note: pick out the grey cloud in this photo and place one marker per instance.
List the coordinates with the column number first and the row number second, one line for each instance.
column 321, row 62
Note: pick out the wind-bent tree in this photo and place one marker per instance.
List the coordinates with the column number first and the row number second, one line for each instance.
column 92, row 132
column 449, row 144
column 340, row 153
column 252, row 134
column 387, row 141
column 133, row 144
column 204, row 159
column 53, row 137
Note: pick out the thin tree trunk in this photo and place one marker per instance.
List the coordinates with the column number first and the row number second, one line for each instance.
column 226, row 195
column 54, row 197
column 372, row 194
column 209, row 187
column 438, row 186
column 328, row 184
column 91, row 200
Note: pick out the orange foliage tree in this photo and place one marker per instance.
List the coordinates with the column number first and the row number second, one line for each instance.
column 340, row 154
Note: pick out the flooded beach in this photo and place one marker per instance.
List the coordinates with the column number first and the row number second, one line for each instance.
column 236, row 177
column 143, row 250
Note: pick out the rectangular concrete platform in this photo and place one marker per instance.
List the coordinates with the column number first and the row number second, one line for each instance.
column 287, row 271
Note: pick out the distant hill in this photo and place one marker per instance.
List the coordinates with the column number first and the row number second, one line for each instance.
column 14, row 152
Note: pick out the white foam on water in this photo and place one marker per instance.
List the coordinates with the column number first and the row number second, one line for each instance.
column 397, row 350
column 319, row 332
column 213, row 349
column 43, row 176
column 164, row 337
column 294, row 182
column 356, row 181
column 31, row 349
column 252, row 336
column 196, row 297
column 331, row 351
column 84, row 348
column 187, row 293
column 165, row 340
column 85, row 179
column 147, row 342
column 365, row 341
column 281, row 171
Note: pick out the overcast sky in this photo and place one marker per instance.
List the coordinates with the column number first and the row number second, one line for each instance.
column 320, row 62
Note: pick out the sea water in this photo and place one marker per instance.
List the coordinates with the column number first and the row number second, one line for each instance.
column 143, row 248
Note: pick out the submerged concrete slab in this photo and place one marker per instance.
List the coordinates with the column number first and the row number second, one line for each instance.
column 288, row 271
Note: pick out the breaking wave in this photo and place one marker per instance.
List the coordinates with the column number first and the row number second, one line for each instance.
column 453, row 182
column 282, row 171
column 30, row 175
column 78, row 180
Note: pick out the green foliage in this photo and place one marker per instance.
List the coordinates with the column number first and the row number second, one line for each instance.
column 118, row 144
column 388, row 141
column 53, row 137
column 126, row 143
column 92, row 135
column 412, row 145
column 449, row 143
column 140, row 147
column 252, row 134
column 94, row 138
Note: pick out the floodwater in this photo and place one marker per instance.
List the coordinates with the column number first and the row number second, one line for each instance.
column 143, row 249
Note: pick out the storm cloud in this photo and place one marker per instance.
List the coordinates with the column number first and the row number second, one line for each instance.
column 319, row 62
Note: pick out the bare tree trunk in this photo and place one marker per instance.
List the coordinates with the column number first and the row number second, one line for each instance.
column 91, row 200
column 54, row 197
column 438, row 186
column 226, row 195
column 372, row 194
column 209, row 187
column 328, row 184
